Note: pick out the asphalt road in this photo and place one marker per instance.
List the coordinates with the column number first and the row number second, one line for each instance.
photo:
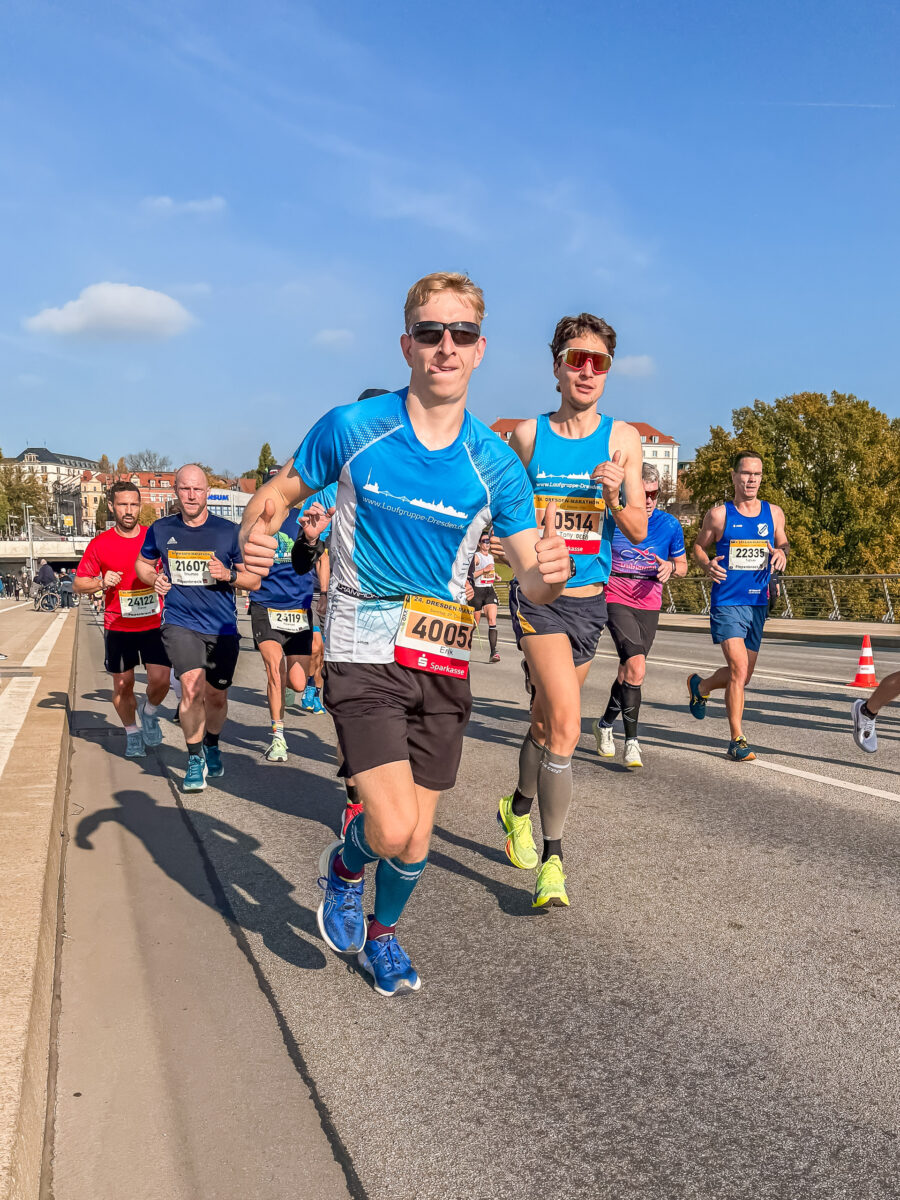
column 716, row 1016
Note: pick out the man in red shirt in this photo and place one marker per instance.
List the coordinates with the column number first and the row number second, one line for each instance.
column 132, row 619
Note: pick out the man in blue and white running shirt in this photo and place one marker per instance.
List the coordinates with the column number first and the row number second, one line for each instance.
column 578, row 459
column 418, row 479
column 192, row 558
column 751, row 542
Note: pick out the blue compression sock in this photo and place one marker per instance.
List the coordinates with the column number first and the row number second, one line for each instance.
column 394, row 883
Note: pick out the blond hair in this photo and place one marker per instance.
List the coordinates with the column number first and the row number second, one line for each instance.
column 443, row 281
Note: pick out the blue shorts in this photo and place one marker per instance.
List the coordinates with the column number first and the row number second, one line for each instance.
column 743, row 621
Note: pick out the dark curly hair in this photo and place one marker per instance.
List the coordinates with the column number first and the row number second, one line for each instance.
column 571, row 327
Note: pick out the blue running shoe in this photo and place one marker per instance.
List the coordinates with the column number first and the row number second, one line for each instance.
column 150, row 730
column 739, row 751
column 340, row 914
column 388, row 964
column 134, row 745
column 195, row 775
column 214, row 765
column 306, row 700
column 317, row 706
column 698, row 700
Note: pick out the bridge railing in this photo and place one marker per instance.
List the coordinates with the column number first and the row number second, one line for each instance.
column 800, row 597
column 805, row 597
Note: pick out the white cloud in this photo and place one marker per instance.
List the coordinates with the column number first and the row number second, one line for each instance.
column 27, row 380
column 114, row 310
column 167, row 207
column 333, row 337
column 635, row 366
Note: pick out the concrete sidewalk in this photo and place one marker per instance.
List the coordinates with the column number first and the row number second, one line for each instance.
column 178, row 1079
column 34, row 743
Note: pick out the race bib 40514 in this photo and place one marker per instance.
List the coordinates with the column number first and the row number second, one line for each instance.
column 579, row 519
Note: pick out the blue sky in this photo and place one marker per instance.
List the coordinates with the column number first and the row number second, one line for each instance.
column 266, row 180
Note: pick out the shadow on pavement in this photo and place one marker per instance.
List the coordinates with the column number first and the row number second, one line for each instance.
column 258, row 897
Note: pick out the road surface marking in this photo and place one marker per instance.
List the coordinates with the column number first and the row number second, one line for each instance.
column 670, row 662
column 41, row 652
column 15, row 700
column 840, row 783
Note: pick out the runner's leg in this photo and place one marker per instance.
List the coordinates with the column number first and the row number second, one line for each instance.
column 741, row 662
column 123, row 699
column 192, row 709
column 157, row 683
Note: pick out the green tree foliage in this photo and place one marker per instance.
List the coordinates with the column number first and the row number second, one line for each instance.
column 18, row 487
column 101, row 519
column 831, row 463
column 265, row 464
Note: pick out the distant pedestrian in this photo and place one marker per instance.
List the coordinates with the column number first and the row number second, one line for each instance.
column 66, row 593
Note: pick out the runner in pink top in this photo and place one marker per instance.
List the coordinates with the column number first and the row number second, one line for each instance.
column 633, row 599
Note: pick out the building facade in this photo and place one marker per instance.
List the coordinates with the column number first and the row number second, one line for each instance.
column 658, row 449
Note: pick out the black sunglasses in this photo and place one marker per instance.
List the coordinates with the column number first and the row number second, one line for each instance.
column 431, row 333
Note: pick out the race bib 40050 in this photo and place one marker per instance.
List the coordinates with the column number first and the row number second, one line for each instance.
column 435, row 636
column 190, row 568
column 748, row 556
column 579, row 519
column 142, row 602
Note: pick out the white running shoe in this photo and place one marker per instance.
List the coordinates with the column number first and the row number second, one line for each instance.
column 863, row 728
column 606, row 747
column 633, row 754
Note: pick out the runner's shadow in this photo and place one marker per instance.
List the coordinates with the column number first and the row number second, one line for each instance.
column 515, row 902
column 249, row 891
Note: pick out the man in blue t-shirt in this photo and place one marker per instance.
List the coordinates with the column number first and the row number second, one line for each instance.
column 192, row 558
column 751, row 542
column 633, row 601
column 418, row 478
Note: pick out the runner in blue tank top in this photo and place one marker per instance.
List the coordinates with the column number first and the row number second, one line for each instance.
column 418, row 480
column 577, row 459
column 750, row 543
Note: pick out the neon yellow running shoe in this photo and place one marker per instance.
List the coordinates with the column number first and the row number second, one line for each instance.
column 550, row 889
column 520, row 848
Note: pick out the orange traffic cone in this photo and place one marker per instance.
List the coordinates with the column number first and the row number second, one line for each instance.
column 865, row 672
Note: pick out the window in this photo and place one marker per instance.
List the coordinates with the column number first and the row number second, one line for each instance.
column 643, row 438
column 654, row 438
column 655, row 453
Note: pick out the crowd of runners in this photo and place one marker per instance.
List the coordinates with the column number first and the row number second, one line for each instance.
column 369, row 559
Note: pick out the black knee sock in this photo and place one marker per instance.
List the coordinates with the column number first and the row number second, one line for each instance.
column 351, row 793
column 614, row 707
column 211, row 739
column 551, row 846
column 631, row 706
column 492, row 638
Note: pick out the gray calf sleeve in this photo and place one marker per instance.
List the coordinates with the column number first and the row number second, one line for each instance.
column 529, row 764
column 554, row 793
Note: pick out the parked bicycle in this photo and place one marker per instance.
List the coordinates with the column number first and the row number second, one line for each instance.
column 47, row 600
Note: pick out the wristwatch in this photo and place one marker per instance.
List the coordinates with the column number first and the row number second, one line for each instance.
column 571, row 566
column 233, row 576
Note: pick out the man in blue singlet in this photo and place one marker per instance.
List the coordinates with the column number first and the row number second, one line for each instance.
column 577, row 459
column 418, row 480
column 751, row 542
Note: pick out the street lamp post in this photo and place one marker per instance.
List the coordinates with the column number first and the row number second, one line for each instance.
column 26, row 508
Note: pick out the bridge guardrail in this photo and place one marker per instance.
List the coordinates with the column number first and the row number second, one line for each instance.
column 801, row 597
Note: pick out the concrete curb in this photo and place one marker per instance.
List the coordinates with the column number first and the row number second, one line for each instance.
column 30, row 921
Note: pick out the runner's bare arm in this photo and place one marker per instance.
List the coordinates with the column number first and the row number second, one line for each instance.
column 780, row 546
column 624, row 469
column 540, row 560
column 711, row 530
column 523, row 439
column 265, row 515
column 246, row 579
column 145, row 569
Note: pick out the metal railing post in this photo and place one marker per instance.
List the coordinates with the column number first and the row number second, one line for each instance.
column 835, row 614
column 671, row 606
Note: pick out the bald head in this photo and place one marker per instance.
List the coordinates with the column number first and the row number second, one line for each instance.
column 191, row 487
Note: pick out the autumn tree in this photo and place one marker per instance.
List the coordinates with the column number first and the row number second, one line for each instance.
column 105, row 467
column 148, row 460
column 147, row 514
column 17, row 488
column 831, row 463
column 265, row 464
column 101, row 517
column 122, row 466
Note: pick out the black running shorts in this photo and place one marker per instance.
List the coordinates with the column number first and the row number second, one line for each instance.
column 387, row 713
column 581, row 618
column 125, row 650
column 632, row 629
column 216, row 654
column 483, row 596
column 292, row 643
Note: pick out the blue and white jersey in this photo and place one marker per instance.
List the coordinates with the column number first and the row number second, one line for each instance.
column 407, row 519
column 744, row 546
column 560, row 470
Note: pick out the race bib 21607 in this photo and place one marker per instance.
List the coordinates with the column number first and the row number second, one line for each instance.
column 190, row 568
